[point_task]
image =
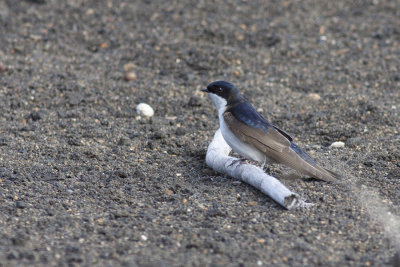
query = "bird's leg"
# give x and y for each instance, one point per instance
(241, 161)
(263, 165)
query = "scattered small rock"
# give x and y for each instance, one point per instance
(159, 135)
(13, 255)
(338, 144)
(313, 96)
(144, 109)
(369, 163)
(180, 131)
(130, 76)
(50, 212)
(194, 101)
(20, 239)
(129, 67)
(121, 174)
(168, 192)
(21, 204)
(121, 214)
(3, 141)
(124, 141)
(36, 115)
(74, 142)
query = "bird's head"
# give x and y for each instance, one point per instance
(223, 92)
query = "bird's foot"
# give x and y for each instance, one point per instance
(239, 161)
(267, 168)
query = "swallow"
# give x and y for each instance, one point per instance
(254, 138)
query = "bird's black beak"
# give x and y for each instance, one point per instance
(205, 90)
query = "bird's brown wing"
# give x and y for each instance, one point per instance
(262, 140)
(277, 147)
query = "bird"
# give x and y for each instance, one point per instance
(254, 138)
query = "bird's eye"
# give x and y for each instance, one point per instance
(219, 89)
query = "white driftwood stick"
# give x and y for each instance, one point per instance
(217, 158)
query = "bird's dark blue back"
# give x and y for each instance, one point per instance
(246, 113)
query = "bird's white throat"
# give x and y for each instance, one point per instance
(219, 102)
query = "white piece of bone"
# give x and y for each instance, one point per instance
(217, 158)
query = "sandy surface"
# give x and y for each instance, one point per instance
(84, 181)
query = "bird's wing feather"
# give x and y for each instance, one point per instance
(283, 133)
(278, 147)
(263, 139)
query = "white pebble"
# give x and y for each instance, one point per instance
(314, 96)
(145, 110)
(143, 237)
(338, 144)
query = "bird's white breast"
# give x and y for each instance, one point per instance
(240, 147)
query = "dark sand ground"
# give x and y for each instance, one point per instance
(84, 181)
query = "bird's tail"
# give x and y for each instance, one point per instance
(299, 160)
(321, 173)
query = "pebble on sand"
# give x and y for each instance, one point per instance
(144, 109)
(129, 67)
(338, 144)
(314, 96)
(130, 76)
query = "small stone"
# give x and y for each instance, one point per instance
(180, 131)
(314, 96)
(20, 239)
(124, 141)
(338, 144)
(50, 212)
(121, 174)
(159, 135)
(74, 142)
(194, 101)
(130, 76)
(143, 237)
(129, 67)
(168, 192)
(90, 11)
(13, 255)
(3, 142)
(144, 109)
(21, 204)
(36, 115)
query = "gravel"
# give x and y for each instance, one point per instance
(85, 181)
